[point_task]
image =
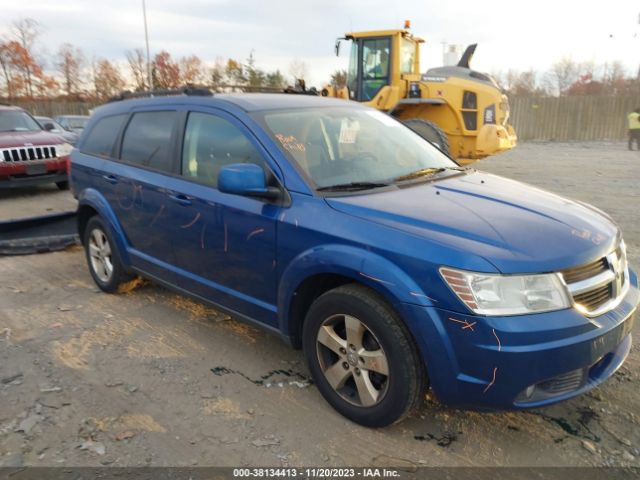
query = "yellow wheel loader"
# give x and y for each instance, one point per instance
(460, 110)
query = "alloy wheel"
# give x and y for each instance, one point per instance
(352, 360)
(100, 255)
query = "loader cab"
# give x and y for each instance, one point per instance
(378, 59)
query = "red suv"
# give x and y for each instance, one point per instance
(30, 155)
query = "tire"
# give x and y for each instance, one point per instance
(103, 257)
(352, 379)
(430, 132)
(63, 185)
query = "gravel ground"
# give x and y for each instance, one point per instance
(150, 378)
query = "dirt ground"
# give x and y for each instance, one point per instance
(150, 378)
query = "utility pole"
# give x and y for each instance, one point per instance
(146, 39)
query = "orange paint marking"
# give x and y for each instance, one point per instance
(192, 222)
(255, 232)
(375, 279)
(466, 323)
(499, 344)
(493, 380)
(157, 215)
(415, 294)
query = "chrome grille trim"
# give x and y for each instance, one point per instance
(603, 291)
(591, 283)
(27, 153)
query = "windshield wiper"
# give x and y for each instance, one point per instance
(424, 172)
(352, 186)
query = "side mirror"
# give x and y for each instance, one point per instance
(338, 48)
(49, 126)
(245, 179)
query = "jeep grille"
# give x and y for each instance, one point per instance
(23, 154)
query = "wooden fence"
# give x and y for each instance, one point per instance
(579, 118)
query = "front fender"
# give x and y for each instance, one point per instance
(93, 198)
(361, 265)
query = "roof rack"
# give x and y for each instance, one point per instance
(190, 91)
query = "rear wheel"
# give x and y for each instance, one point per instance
(103, 257)
(430, 132)
(362, 358)
(63, 185)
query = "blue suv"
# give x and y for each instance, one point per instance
(347, 234)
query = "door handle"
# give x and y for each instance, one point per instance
(180, 199)
(111, 179)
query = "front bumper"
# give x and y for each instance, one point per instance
(522, 361)
(33, 172)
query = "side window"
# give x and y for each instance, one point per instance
(147, 140)
(212, 142)
(102, 136)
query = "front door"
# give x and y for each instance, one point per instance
(369, 67)
(224, 245)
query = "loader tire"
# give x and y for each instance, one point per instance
(430, 132)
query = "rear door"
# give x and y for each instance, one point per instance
(225, 245)
(137, 192)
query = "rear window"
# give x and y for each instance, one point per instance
(102, 136)
(147, 140)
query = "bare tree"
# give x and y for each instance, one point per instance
(339, 78)
(138, 66)
(26, 31)
(69, 63)
(5, 63)
(298, 69)
(562, 75)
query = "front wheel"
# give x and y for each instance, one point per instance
(362, 358)
(103, 257)
(430, 132)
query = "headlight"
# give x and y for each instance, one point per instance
(491, 294)
(64, 149)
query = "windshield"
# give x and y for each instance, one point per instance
(17, 121)
(346, 145)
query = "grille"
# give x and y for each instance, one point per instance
(566, 382)
(599, 286)
(25, 154)
(595, 298)
(578, 274)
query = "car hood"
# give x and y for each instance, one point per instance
(22, 139)
(516, 227)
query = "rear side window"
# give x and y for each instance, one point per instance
(147, 140)
(212, 142)
(103, 135)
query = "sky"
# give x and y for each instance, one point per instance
(511, 35)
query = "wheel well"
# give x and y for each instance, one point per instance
(85, 212)
(306, 293)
